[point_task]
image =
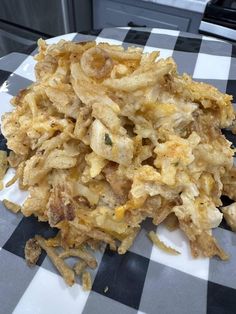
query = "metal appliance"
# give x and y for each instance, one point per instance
(23, 22)
(220, 19)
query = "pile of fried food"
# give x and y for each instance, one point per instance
(107, 137)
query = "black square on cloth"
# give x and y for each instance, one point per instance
(124, 275)
(231, 89)
(187, 44)
(229, 136)
(233, 53)
(4, 76)
(220, 299)
(3, 144)
(224, 225)
(93, 32)
(28, 228)
(225, 201)
(137, 37)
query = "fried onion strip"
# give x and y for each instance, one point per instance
(161, 245)
(66, 272)
(88, 258)
(15, 208)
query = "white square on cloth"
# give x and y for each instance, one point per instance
(210, 66)
(26, 68)
(37, 297)
(197, 267)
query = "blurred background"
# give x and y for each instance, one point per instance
(23, 22)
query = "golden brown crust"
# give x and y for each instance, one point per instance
(32, 252)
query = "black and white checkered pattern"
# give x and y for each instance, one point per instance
(145, 280)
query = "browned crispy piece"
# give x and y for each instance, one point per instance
(20, 176)
(14, 159)
(162, 212)
(66, 272)
(207, 245)
(71, 237)
(95, 234)
(79, 267)
(102, 236)
(45, 67)
(209, 97)
(229, 184)
(56, 241)
(3, 166)
(119, 184)
(93, 244)
(81, 253)
(171, 222)
(128, 241)
(32, 251)
(83, 122)
(229, 213)
(12, 181)
(161, 245)
(37, 202)
(15, 208)
(86, 281)
(188, 228)
(60, 206)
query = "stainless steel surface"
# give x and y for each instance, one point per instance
(12, 43)
(218, 30)
(32, 19)
(82, 10)
(48, 17)
(20, 32)
(65, 16)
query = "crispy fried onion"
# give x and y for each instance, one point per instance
(86, 281)
(66, 272)
(15, 208)
(33, 250)
(96, 62)
(85, 256)
(207, 245)
(161, 245)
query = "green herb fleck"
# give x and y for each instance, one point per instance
(108, 140)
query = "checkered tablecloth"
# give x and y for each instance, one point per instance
(145, 280)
